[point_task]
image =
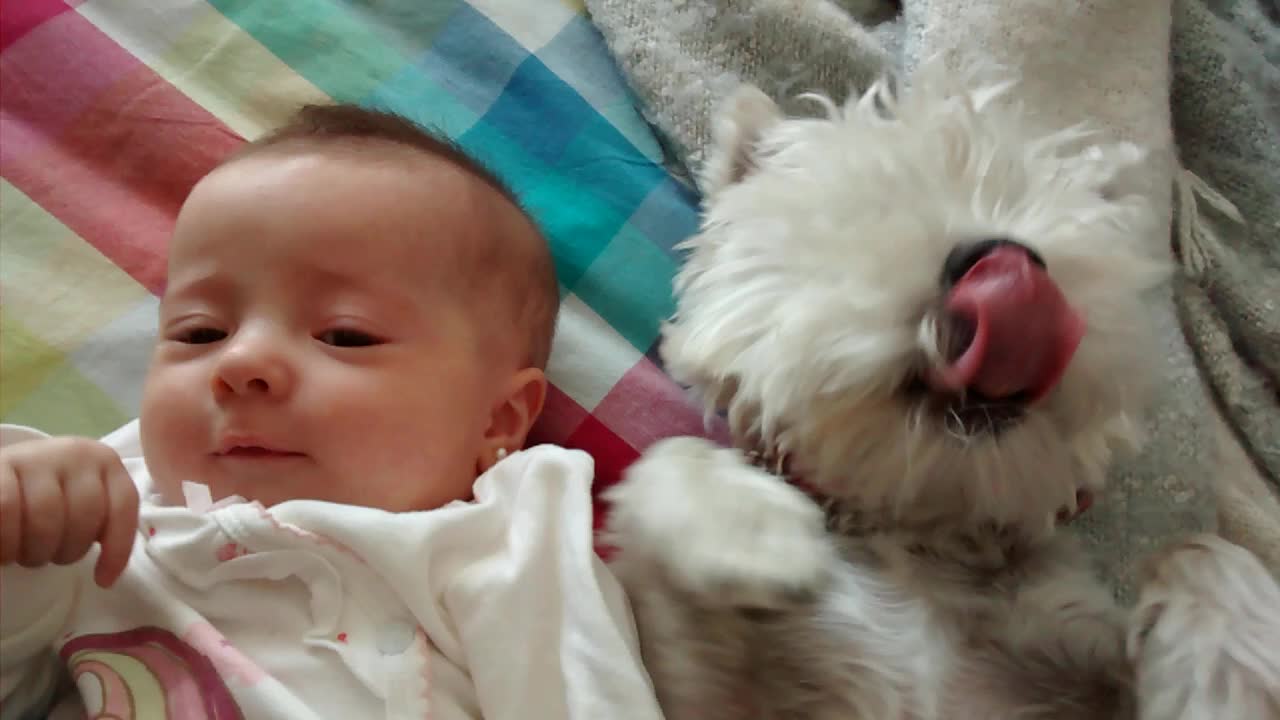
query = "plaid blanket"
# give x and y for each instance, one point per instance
(110, 110)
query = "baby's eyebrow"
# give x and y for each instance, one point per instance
(206, 284)
(384, 291)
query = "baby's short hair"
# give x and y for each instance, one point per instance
(524, 272)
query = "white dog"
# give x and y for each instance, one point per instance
(929, 314)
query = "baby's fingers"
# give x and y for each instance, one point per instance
(10, 514)
(43, 516)
(121, 526)
(86, 503)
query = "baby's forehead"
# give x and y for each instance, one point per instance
(358, 176)
(336, 194)
(353, 162)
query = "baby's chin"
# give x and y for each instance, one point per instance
(199, 493)
(202, 494)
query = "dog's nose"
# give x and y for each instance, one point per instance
(965, 255)
(1006, 329)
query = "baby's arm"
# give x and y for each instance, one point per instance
(545, 627)
(57, 497)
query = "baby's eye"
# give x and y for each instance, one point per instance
(341, 337)
(201, 336)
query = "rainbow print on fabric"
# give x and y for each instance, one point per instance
(147, 674)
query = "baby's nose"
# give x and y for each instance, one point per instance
(253, 365)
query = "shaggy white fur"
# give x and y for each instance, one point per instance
(813, 310)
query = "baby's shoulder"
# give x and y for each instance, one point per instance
(547, 460)
(541, 467)
(552, 451)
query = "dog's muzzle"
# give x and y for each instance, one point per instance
(1007, 333)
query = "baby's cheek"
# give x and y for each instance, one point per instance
(434, 470)
(355, 408)
(175, 435)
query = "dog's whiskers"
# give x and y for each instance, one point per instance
(958, 429)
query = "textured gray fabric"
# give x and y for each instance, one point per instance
(1101, 61)
(1226, 115)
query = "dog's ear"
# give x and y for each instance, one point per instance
(735, 133)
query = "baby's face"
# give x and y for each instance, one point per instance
(313, 340)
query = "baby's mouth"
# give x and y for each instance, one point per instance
(244, 446)
(257, 452)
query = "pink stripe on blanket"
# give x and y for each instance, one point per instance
(612, 455)
(646, 405)
(20, 17)
(561, 416)
(51, 76)
(117, 169)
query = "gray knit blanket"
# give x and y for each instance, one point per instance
(1210, 120)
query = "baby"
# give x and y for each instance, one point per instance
(324, 510)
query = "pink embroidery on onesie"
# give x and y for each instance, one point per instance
(230, 551)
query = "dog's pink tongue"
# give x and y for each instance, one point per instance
(1024, 332)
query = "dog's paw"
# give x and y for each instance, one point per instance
(1205, 634)
(722, 530)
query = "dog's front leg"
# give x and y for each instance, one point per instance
(725, 532)
(704, 539)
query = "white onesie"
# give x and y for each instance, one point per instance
(495, 608)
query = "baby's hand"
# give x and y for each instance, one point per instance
(60, 495)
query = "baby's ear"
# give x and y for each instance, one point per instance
(517, 408)
(736, 130)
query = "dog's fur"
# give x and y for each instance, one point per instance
(936, 584)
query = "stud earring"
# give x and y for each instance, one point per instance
(502, 452)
